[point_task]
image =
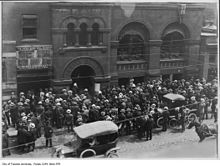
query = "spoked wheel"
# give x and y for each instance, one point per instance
(160, 122)
(112, 155)
(173, 123)
(192, 117)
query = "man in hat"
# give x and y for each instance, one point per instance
(59, 113)
(27, 107)
(69, 120)
(93, 114)
(75, 88)
(74, 107)
(5, 142)
(13, 97)
(48, 115)
(40, 108)
(128, 115)
(182, 117)
(14, 114)
(21, 97)
(121, 117)
(79, 120)
(32, 137)
(7, 112)
(165, 115)
(149, 126)
(48, 133)
(21, 107)
(213, 106)
(201, 109)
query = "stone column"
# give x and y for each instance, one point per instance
(193, 61)
(154, 58)
(113, 62)
(171, 77)
(77, 37)
(205, 65)
(100, 38)
(89, 36)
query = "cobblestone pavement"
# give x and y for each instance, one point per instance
(130, 146)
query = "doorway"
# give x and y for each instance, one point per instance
(84, 77)
(177, 76)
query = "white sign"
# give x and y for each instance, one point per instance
(97, 87)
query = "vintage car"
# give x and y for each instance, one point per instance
(91, 139)
(173, 101)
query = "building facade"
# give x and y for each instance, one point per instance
(99, 44)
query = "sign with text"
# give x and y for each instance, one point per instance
(34, 56)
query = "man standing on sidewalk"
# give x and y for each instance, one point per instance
(48, 133)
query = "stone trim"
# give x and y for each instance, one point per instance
(71, 66)
(156, 43)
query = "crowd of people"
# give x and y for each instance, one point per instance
(32, 114)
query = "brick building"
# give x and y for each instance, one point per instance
(98, 44)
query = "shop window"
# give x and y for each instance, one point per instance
(29, 26)
(70, 36)
(83, 35)
(95, 34)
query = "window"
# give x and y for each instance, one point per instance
(83, 35)
(173, 46)
(212, 58)
(95, 34)
(70, 36)
(131, 47)
(29, 26)
(4, 71)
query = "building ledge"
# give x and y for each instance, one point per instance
(208, 34)
(171, 60)
(130, 62)
(80, 48)
(30, 40)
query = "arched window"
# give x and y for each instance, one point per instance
(70, 36)
(131, 47)
(173, 46)
(133, 39)
(83, 35)
(95, 34)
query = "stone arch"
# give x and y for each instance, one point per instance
(67, 20)
(84, 20)
(118, 29)
(71, 66)
(135, 28)
(177, 33)
(175, 26)
(98, 21)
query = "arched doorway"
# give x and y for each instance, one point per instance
(84, 77)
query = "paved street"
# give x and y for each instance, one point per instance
(170, 144)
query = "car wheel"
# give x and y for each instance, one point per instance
(160, 122)
(88, 153)
(192, 117)
(112, 155)
(173, 123)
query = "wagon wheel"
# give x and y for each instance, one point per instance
(173, 123)
(160, 122)
(112, 155)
